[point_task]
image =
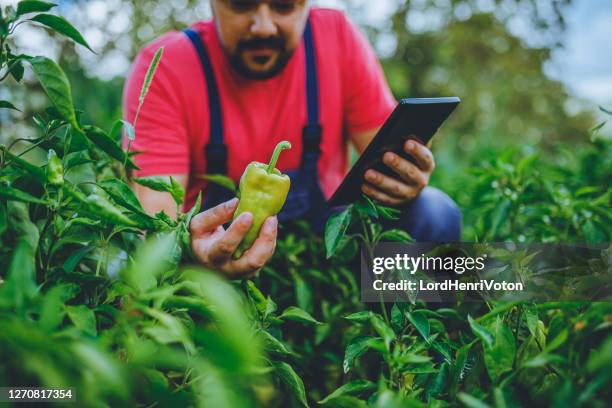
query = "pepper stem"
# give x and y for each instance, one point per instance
(277, 151)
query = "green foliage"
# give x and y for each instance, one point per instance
(87, 302)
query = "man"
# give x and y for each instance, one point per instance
(228, 90)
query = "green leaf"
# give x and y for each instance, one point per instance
(150, 73)
(122, 194)
(230, 318)
(604, 110)
(442, 348)
(382, 329)
(101, 366)
(32, 6)
(481, 332)
(440, 381)
(8, 105)
(19, 216)
(20, 281)
(273, 345)
(150, 261)
(500, 399)
(76, 159)
(346, 401)
(35, 171)
(83, 318)
(76, 257)
(10, 193)
(108, 145)
(420, 322)
(164, 184)
(178, 192)
(3, 217)
(194, 210)
(80, 221)
(53, 310)
(395, 235)
(335, 230)
(17, 70)
(595, 129)
(127, 127)
(471, 402)
(558, 341)
(542, 360)
(499, 358)
(500, 216)
(459, 367)
(98, 207)
(365, 207)
(259, 300)
(298, 315)
(60, 25)
(388, 213)
(531, 318)
(56, 85)
(303, 292)
(168, 329)
(362, 316)
(221, 180)
(355, 349)
(397, 318)
(355, 387)
(293, 381)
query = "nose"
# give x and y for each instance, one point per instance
(263, 23)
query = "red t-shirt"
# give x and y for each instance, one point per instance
(173, 125)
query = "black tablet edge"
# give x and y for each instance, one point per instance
(390, 122)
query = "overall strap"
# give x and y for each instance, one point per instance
(311, 134)
(216, 151)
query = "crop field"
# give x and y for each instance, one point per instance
(100, 297)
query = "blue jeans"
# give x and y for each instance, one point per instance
(431, 217)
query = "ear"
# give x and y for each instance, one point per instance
(213, 7)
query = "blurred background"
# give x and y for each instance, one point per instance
(532, 73)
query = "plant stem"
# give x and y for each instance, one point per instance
(44, 263)
(127, 155)
(277, 151)
(34, 146)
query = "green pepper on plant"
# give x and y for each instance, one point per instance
(55, 169)
(263, 190)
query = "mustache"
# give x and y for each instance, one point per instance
(261, 43)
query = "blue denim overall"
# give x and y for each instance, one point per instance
(305, 199)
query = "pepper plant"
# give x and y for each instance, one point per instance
(98, 295)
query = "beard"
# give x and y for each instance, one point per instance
(274, 43)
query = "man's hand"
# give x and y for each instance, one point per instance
(213, 246)
(412, 178)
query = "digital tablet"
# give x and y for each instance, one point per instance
(419, 117)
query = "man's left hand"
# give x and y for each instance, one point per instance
(411, 178)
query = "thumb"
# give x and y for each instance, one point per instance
(210, 219)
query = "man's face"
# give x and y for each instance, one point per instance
(260, 36)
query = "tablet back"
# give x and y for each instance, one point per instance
(420, 117)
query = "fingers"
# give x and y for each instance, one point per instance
(421, 154)
(210, 219)
(215, 252)
(388, 185)
(406, 170)
(380, 196)
(261, 250)
(222, 248)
